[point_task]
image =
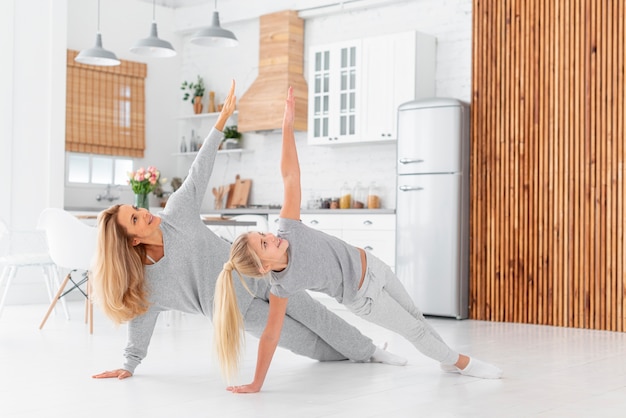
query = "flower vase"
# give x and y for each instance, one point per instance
(197, 105)
(141, 200)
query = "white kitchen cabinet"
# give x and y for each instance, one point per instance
(373, 232)
(355, 87)
(334, 93)
(397, 68)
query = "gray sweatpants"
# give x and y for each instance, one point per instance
(383, 300)
(311, 330)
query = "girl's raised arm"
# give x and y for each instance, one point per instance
(289, 164)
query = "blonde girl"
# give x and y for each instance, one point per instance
(300, 258)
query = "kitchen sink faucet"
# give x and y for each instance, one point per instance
(108, 196)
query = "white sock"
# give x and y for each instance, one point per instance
(481, 369)
(449, 368)
(385, 357)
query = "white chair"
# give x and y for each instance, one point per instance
(72, 246)
(20, 249)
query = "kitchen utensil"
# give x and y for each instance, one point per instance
(240, 192)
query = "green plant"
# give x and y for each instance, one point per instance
(232, 132)
(193, 89)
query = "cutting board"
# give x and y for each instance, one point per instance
(238, 193)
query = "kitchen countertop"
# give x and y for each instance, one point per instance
(263, 211)
(86, 211)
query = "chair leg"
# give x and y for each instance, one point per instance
(54, 301)
(8, 272)
(57, 282)
(90, 302)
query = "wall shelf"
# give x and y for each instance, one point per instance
(236, 152)
(204, 116)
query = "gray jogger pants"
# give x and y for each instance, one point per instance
(383, 300)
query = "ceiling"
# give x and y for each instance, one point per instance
(175, 4)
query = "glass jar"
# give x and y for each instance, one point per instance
(373, 196)
(359, 196)
(345, 197)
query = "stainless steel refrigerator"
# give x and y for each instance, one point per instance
(432, 211)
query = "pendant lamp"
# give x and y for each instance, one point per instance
(152, 46)
(97, 55)
(214, 35)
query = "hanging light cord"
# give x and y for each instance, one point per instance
(98, 16)
(153, 11)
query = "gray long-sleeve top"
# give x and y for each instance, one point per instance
(184, 279)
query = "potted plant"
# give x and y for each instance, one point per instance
(194, 92)
(232, 138)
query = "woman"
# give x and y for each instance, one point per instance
(355, 278)
(147, 264)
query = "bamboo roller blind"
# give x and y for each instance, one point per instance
(105, 108)
(547, 163)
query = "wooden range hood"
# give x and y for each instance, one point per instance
(281, 64)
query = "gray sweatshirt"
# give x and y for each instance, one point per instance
(184, 279)
(317, 261)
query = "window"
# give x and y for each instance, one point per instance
(97, 169)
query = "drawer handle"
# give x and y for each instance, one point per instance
(410, 189)
(368, 248)
(367, 222)
(314, 222)
(409, 161)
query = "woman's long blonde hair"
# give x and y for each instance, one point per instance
(228, 322)
(119, 283)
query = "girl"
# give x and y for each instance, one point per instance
(147, 264)
(300, 258)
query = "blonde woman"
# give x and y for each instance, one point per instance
(302, 258)
(147, 264)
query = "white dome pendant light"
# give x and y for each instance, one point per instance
(214, 35)
(97, 55)
(152, 46)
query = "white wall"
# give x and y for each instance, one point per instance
(448, 20)
(324, 169)
(36, 33)
(33, 41)
(122, 23)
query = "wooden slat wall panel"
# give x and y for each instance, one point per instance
(547, 163)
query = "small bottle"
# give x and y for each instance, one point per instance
(193, 145)
(359, 196)
(183, 144)
(345, 197)
(373, 196)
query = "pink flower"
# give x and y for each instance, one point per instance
(144, 180)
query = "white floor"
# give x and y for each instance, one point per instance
(549, 372)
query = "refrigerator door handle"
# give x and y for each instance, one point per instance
(410, 189)
(409, 161)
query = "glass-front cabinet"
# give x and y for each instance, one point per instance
(334, 93)
(356, 87)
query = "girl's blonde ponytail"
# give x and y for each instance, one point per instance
(228, 324)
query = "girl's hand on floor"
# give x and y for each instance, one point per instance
(119, 373)
(244, 389)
